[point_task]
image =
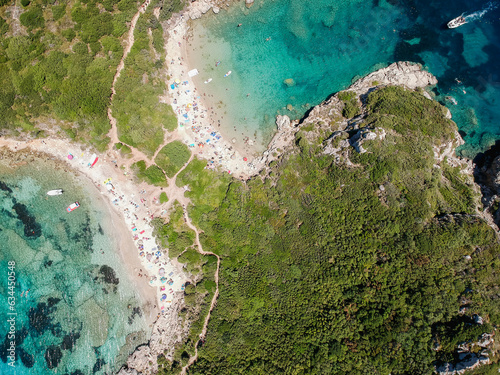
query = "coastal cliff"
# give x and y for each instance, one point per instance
(358, 210)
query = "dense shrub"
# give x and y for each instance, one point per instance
(172, 157)
(329, 268)
(32, 18)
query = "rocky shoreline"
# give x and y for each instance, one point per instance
(406, 74)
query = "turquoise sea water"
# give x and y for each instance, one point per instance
(324, 45)
(82, 314)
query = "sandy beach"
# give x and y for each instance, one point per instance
(155, 276)
(196, 127)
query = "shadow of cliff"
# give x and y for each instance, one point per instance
(485, 174)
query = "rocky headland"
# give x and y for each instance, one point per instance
(345, 135)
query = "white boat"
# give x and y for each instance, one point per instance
(459, 21)
(208, 80)
(73, 206)
(55, 192)
(228, 73)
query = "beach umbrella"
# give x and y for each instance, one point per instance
(141, 253)
(140, 242)
(177, 81)
(158, 253)
(245, 159)
(70, 157)
(149, 256)
(162, 272)
(163, 280)
(163, 297)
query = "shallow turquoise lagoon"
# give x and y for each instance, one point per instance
(289, 55)
(76, 310)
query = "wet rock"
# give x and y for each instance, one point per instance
(109, 275)
(289, 82)
(53, 356)
(98, 365)
(283, 122)
(27, 359)
(31, 227)
(69, 341)
(39, 317)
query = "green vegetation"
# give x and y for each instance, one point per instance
(331, 269)
(179, 239)
(172, 157)
(351, 106)
(163, 198)
(141, 117)
(41, 74)
(169, 7)
(152, 175)
(125, 151)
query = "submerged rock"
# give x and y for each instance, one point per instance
(53, 356)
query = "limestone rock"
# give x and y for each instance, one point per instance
(366, 135)
(403, 73)
(467, 362)
(215, 9)
(198, 9)
(195, 13)
(289, 107)
(289, 82)
(283, 122)
(249, 3)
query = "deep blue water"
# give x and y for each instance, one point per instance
(82, 314)
(324, 45)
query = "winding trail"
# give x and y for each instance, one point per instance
(113, 133)
(214, 299)
(173, 192)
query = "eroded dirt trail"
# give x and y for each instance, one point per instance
(113, 133)
(174, 193)
(214, 299)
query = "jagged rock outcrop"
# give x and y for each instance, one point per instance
(364, 135)
(487, 176)
(329, 113)
(198, 8)
(404, 73)
(466, 362)
(249, 3)
(167, 330)
(470, 354)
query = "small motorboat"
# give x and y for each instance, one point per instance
(217, 63)
(73, 206)
(451, 99)
(227, 74)
(455, 22)
(208, 80)
(55, 192)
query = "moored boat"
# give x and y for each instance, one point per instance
(55, 192)
(459, 21)
(228, 73)
(73, 206)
